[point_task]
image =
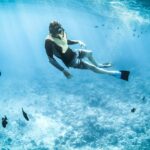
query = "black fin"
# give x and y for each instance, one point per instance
(25, 115)
(125, 75)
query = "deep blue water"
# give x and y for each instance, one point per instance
(89, 111)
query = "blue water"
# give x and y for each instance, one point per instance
(89, 111)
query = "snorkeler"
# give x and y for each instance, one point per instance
(57, 44)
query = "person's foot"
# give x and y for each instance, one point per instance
(105, 65)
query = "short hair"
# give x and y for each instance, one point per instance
(54, 24)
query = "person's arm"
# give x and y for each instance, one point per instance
(49, 51)
(55, 63)
(71, 42)
(52, 60)
(59, 67)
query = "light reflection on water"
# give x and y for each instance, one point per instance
(88, 112)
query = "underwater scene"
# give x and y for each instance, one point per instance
(40, 109)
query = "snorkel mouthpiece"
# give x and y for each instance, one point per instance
(60, 30)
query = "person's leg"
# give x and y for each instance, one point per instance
(88, 54)
(80, 64)
(121, 74)
(105, 65)
(89, 66)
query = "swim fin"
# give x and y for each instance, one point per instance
(124, 75)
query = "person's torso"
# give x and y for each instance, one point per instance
(61, 42)
(61, 49)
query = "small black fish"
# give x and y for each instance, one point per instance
(143, 98)
(133, 110)
(134, 30)
(4, 122)
(0, 73)
(25, 115)
(96, 26)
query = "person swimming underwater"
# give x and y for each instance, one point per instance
(57, 44)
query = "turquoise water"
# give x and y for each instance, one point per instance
(89, 111)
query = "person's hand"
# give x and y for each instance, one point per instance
(67, 74)
(82, 45)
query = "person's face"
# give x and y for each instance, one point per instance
(58, 30)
